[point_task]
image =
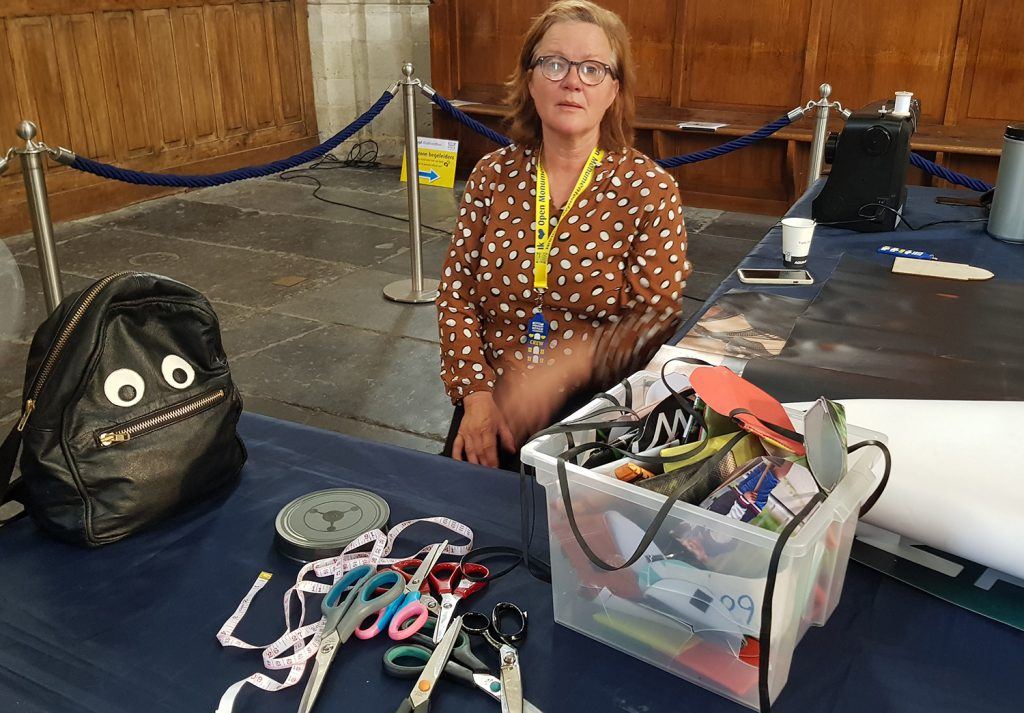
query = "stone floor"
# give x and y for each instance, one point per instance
(297, 284)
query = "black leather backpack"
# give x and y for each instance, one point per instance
(129, 411)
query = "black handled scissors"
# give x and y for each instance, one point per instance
(505, 637)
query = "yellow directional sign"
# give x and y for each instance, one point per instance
(437, 161)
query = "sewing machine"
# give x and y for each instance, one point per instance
(867, 186)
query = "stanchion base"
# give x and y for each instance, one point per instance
(402, 291)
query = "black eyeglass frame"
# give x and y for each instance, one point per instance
(608, 69)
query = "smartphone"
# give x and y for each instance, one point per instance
(772, 276)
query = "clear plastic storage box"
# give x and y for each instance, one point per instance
(699, 619)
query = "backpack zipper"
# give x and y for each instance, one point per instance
(62, 339)
(160, 419)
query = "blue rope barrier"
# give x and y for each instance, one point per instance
(934, 169)
(673, 162)
(105, 170)
(765, 131)
(728, 147)
(468, 121)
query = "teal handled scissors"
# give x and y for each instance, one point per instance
(346, 605)
(406, 616)
(408, 661)
(418, 701)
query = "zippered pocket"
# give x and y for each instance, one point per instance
(173, 414)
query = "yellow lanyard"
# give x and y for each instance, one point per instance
(544, 238)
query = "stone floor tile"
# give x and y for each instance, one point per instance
(350, 372)
(697, 219)
(245, 331)
(266, 232)
(747, 226)
(701, 284)
(357, 300)
(340, 424)
(716, 254)
(433, 251)
(62, 232)
(33, 304)
(226, 274)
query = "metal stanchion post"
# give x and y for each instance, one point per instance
(415, 290)
(39, 211)
(820, 132)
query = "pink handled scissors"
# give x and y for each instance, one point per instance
(397, 617)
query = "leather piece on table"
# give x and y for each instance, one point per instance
(768, 319)
(873, 334)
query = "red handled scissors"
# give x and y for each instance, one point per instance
(408, 568)
(451, 582)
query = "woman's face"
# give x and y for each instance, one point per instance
(569, 107)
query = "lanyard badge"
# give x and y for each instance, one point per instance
(537, 332)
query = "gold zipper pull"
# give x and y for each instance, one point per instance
(109, 439)
(30, 406)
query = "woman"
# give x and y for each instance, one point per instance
(533, 321)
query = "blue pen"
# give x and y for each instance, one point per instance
(903, 252)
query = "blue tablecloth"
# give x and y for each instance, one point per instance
(952, 242)
(130, 626)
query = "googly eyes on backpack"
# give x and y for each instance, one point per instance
(177, 372)
(124, 387)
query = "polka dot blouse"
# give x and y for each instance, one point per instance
(620, 251)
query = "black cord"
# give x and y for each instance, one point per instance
(362, 155)
(873, 498)
(875, 217)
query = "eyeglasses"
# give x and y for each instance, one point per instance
(591, 72)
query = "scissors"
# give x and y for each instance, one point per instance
(396, 617)
(346, 605)
(506, 643)
(418, 701)
(453, 590)
(408, 660)
(408, 569)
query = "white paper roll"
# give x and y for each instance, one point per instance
(957, 480)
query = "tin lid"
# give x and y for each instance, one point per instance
(321, 524)
(1015, 131)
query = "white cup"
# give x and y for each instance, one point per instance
(796, 241)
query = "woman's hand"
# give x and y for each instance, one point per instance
(530, 399)
(482, 431)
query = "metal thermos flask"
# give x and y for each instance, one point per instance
(1006, 219)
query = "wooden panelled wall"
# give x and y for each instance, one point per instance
(186, 86)
(747, 63)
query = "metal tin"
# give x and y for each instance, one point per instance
(321, 524)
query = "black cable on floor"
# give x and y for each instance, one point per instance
(361, 155)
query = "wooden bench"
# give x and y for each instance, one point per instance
(764, 178)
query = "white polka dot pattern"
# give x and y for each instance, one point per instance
(621, 252)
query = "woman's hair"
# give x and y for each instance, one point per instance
(617, 124)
